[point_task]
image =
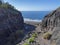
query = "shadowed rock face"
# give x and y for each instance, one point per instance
(10, 21)
(51, 23)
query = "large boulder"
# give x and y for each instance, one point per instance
(11, 21)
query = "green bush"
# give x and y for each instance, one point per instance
(6, 5)
(47, 36)
(25, 44)
(34, 35)
(31, 39)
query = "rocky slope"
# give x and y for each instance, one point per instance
(48, 31)
(51, 23)
(11, 25)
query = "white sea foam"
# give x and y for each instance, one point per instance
(35, 20)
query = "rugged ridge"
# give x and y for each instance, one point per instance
(51, 23)
(11, 21)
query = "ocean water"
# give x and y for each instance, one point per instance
(34, 15)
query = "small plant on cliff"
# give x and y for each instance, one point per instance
(25, 44)
(7, 5)
(34, 35)
(31, 39)
(47, 36)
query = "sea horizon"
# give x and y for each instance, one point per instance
(34, 16)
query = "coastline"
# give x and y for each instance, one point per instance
(32, 21)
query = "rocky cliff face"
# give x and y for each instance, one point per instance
(11, 22)
(51, 23)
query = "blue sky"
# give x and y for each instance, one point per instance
(35, 5)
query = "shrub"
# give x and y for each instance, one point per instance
(25, 44)
(17, 44)
(31, 39)
(9, 6)
(47, 36)
(6, 5)
(34, 35)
